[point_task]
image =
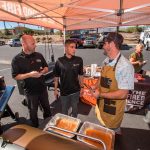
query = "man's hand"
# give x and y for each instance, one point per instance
(95, 93)
(144, 62)
(56, 93)
(81, 92)
(43, 70)
(140, 63)
(35, 74)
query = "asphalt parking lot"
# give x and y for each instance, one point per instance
(136, 133)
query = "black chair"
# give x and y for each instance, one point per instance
(5, 110)
(49, 77)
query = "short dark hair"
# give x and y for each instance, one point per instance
(115, 37)
(70, 41)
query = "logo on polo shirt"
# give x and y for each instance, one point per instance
(75, 65)
(38, 60)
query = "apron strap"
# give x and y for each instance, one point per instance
(116, 62)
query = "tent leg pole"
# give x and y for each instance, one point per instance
(64, 30)
(117, 29)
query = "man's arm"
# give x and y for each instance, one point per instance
(119, 94)
(133, 62)
(44, 70)
(32, 74)
(22, 76)
(80, 74)
(56, 82)
(81, 81)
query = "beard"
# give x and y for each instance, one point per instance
(105, 53)
(72, 54)
(31, 51)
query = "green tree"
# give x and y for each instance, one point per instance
(132, 29)
(28, 31)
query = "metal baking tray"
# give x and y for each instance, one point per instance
(52, 125)
(89, 125)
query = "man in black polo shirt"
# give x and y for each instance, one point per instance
(29, 66)
(69, 70)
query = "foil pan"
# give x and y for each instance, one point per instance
(89, 125)
(50, 126)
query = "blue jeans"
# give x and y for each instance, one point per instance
(70, 101)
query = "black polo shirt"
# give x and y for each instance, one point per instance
(68, 71)
(23, 63)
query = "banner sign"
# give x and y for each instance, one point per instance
(139, 97)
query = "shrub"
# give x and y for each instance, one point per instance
(37, 39)
(132, 29)
(43, 39)
(49, 39)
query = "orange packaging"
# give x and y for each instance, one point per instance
(87, 96)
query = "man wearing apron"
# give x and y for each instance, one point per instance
(117, 78)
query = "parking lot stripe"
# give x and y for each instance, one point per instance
(5, 69)
(6, 62)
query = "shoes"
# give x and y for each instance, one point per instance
(146, 120)
(1, 131)
(24, 102)
(118, 131)
(147, 117)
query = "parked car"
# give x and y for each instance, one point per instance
(89, 42)
(100, 40)
(2, 42)
(78, 39)
(143, 35)
(147, 41)
(14, 42)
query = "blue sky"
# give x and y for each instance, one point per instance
(13, 24)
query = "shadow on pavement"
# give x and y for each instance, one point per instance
(21, 120)
(55, 107)
(138, 112)
(83, 108)
(133, 139)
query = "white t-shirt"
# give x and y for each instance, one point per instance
(124, 72)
